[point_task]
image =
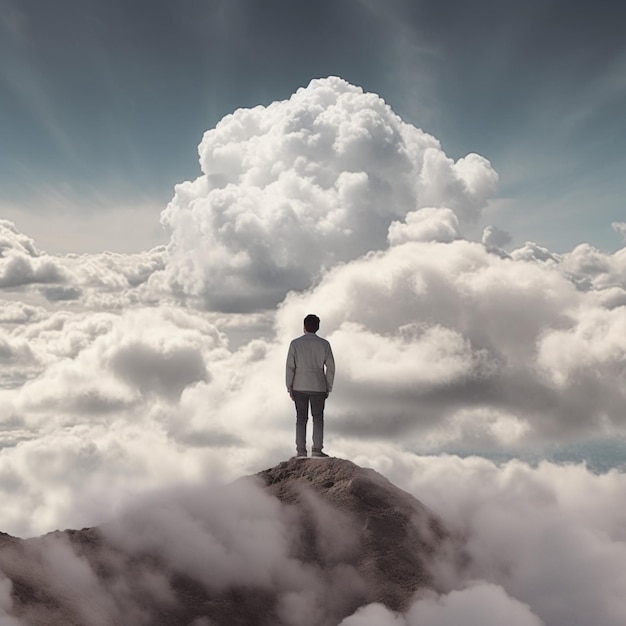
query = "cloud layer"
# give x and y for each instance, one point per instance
(545, 544)
(124, 374)
(542, 545)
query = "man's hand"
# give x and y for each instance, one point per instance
(290, 392)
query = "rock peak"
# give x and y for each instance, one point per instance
(397, 535)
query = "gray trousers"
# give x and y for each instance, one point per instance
(302, 400)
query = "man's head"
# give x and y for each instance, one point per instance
(311, 323)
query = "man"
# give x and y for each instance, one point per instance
(310, 374)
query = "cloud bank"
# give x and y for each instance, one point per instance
(543, 545)
(125, 374)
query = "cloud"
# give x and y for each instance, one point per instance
(620, 227)
(425, 225)
(11, 240)
(439, 345)
(71, 576)
(452, 340)
(291, 189)
(108, 363)
(6, 603)
(490, 347)
(17, 359)
(592, 269)
(19, 313)
(542, 544)
(17, 270)
(456, 334)
(166, 372)
(326, 202)
(531, 251)
(237, 535)
(546, 539)
(20, 261)
(62, 583)
(98, 281)
(55, 294)
(495, 238)
(374, 615)
(232, 535)
(480, 604)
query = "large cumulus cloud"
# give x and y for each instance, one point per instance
(291, 189)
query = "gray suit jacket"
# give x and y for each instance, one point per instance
(310, 364)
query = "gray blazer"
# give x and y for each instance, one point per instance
(310, 364)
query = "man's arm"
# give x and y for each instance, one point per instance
(330, 370)
(290, 368)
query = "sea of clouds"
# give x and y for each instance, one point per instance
(125, 374)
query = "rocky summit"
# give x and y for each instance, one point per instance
(393, 537)
(304, 543)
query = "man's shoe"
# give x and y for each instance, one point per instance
(301, 454)
(319, 454)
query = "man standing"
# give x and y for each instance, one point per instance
(310, 374)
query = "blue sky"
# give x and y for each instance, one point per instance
(104, 103)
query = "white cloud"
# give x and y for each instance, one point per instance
(481, 604)
(113, 387)
(549, 537)
(450, 342)
(6, 603)
(17, 360)
(478, 605)
(531, 251)
(72, 577)
(374, 615)
(541, 545)
(237, 534)
(424, 330)
(19, 313)
(425, 225)
(19, 269)
(437, 344)
(620, 227)
(296, 187)
(109, 363)
(11, 240)
(20, 261)
(98, 281)
(596, 270)
(234, 534)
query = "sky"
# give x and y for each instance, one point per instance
(440, 183)
(103, 104)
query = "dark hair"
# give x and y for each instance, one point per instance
(311, 323)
